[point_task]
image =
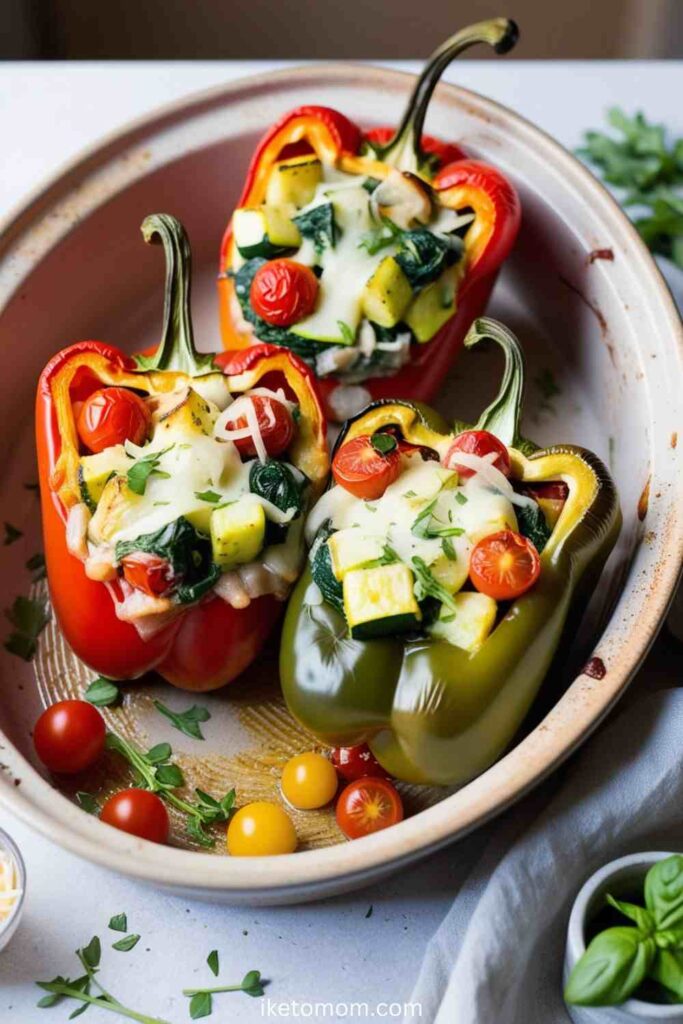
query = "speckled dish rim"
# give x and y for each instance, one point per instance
(577, 713)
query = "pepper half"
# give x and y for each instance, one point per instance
(431, 712)
(210, 642)
(457, 183)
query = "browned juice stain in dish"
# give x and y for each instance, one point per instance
(644, 500)
(601, 254)
(254, 700)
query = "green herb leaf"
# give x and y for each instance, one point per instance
(667, 969)
(87, 802)
(642, 917)
(424, 526)
(140, 472)
(159, 754)
(92, 953)
(448, 549)
(348, 336)
(664, 892)
(533, 525)
(210, 496)
(212, 961)
(320, 226)
(251, 984)
(102, 692)
(186, 721)
(460, 498)
(427, 586)
(29, 617)
(200, 1005)
(36, 565)
(12, 533)
(383, 443)
(614, 965)
(170, 775)
(49, 1000)
(119, 923)
(124, 945)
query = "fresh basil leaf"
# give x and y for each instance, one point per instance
(186, 721)
(664, 892)
(87, 802)
(200, 1005)
(119, 923)
(614, 965)
(102, 692)
(169, 775)
(667, 969)
(159, 754)
(92, 953)
(125, 945)
(212, 961)
(643, 918)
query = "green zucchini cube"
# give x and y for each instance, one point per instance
(237, 532)
(265, 231)
(380, 601)
(470, 624)
(387, 294)
(352, 549)
(294, 181)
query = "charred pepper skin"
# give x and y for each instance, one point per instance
(458, 181)
(433, 713)
(207, 644)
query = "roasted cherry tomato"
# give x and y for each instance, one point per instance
(138, 812)
(111, 416)
(504, 565)
(367, 465)
(356, 762)
(283, 292)
(477, 442)
(308, 781)
(261, 829)
(275, 423)
(149, 573)
(69, 736)
(368, 805)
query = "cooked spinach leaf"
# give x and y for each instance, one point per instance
(319, 225)
(321, 569)
(186, 550)
(276, 482)
(532, 525)
(423, 255)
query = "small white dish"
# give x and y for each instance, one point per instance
(11, 923)
(619, 877)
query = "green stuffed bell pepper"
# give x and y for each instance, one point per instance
(443, 566)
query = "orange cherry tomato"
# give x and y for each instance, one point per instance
(367, 465)
(111, 416)
(504, 565)
(283, 292)
(356, 762)
(368, 805)
(69, 736)
(477, 442)
(149, 573)
(275, 423)
(138, 812)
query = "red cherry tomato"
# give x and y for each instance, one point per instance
(149, 573)
(69, 736)
(283, 292)
(356, 763)
(275, 423)
(504, 565)
(367, 465)
(368, 805)
(111, 416)
(138, 812)
(477, 442)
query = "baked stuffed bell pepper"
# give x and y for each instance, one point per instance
(174, 488)
(442, 569)
(367, 254)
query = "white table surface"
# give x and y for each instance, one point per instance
(327, 951)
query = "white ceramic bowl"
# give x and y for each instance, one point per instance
(72, 265)
(617, 878)
(10, 925)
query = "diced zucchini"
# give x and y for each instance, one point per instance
(352, 549)
(451, 573)
(434, 305)
(237, 532)
(294, 181)
(117, 503)
(336, 317)
(380, 601)
(265, 231)
(500, 516)
(184, 412)
(201, 518)
(387, 294)
(95, 470)
(471, 622)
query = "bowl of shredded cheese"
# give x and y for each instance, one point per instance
(12, 887)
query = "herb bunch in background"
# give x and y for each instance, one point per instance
(650, 173)
(618, 961)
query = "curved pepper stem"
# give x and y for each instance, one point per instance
(176, 350)
(502, 416)
(404, 150)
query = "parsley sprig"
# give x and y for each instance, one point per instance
(156, 772)
(650, 172)
(426, 585)
(140, 472)
(186, 721)
(201, 999)
(426, 524)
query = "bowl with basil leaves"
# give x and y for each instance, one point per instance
(624, 954)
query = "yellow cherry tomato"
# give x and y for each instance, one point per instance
(309, 781)
(261, 829)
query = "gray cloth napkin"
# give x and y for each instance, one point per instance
(497, 957)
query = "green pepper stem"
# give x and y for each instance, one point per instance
(502, 416)
(404, 151)
(176, 350)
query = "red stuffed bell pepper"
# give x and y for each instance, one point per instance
(369, 255)
(174, 488)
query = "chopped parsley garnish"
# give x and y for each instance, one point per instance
(426, 585)
(140, 472)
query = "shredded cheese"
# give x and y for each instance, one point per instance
(10, 889)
